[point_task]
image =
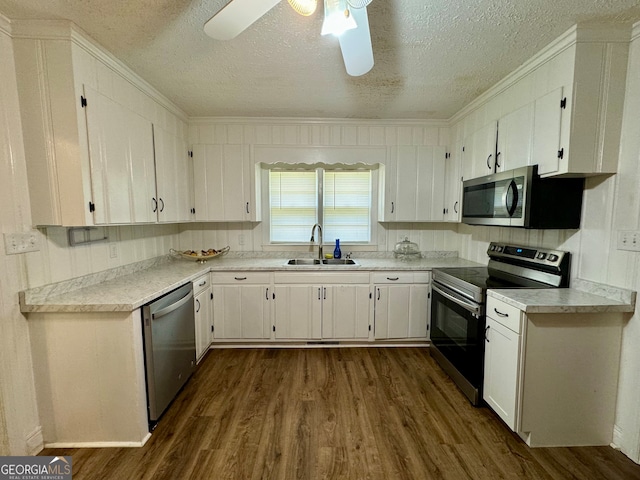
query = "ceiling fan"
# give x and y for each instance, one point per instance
(347, 19)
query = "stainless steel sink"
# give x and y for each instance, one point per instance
(316, 261)
(339, 261)
(304, 261)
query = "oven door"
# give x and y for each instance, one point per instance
(457, 332)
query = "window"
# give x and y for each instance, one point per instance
(340, 200)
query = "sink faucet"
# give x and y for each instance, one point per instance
(313, 230)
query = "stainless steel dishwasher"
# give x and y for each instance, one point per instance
(169, 347)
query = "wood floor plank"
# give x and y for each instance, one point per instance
(340, 413)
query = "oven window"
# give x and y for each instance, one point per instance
(459, 336)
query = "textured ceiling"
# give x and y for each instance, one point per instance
(431, 56)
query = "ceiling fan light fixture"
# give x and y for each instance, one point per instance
(337, 18)
(304, 7)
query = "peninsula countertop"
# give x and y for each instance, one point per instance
(121, 290)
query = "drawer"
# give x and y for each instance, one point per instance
(245, 278)
(505, 314)
(201, 283)
(400, 277)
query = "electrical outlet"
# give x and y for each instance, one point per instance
(241, 239)
(15, 243)
(629, 240)
(113, 250)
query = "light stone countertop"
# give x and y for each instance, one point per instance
(569, 300)
(127, 288)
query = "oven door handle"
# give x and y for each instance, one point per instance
(467, 306)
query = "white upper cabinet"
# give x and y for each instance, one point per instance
(479, 152)
(515, 139)
(122, 164)
(173, 177)
(89, 124)
(414, 185)
(224, 184)
(561, 111)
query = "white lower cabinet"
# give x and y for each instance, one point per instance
(401, 308)
(501, 370)
(552, 377)
(241, 305)
(334, 307)
(202, 295)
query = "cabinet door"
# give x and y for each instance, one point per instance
(515, 139)
(501, 371)
(298, 312)
(223, 183)
(345, 312)
(391, 317)
(122, 162)
(172, 176)
(204, 322)
(418, 311)
(480, 152)
(241, 312)
(452, 186)
(406, 184)
(546, 133)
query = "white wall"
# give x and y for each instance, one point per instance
(18, 409)
(317, 132)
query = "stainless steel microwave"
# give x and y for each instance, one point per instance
(520, 198)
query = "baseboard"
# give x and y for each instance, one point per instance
(34, 441)
(618, 438)
(305, 344)
(98, 444)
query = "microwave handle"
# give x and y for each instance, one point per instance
(511, 208)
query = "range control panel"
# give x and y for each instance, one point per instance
(530, 254)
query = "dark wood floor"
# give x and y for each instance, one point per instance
(374, 413)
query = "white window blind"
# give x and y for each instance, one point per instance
(345, 205)
(293, 199)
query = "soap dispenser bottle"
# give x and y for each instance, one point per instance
(336, 251)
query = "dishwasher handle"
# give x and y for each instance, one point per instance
(174, 306)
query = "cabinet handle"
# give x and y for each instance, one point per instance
(500, 313)
(497, 161)
(455, 207)
(489, 158)
(240, 278)
(155, 205)
(393, 207)
(319, 294)
(378, 294)
(162, 203)
(198, 305)
(203, 283)
(325, 293)
(247, 207)
(393, 279)
(266, 295)
(485, 333)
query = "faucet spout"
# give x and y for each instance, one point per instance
(313, 231)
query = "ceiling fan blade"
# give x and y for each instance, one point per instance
(235, 17)
(355, 44)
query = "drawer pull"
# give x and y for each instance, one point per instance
(500, 313)
(393, 279)
(197, 305)
(203, 283)
(240, 278)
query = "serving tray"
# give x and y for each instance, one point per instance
(199, 256)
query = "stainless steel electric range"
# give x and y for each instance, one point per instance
(459, 298)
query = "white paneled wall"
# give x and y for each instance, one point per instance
(316, 132)
(19, 423)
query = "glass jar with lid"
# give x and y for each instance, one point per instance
(407, 250)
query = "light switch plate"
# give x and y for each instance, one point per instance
(629, 240)
(15, 243)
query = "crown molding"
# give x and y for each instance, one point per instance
(319, 121)
(66, 30)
